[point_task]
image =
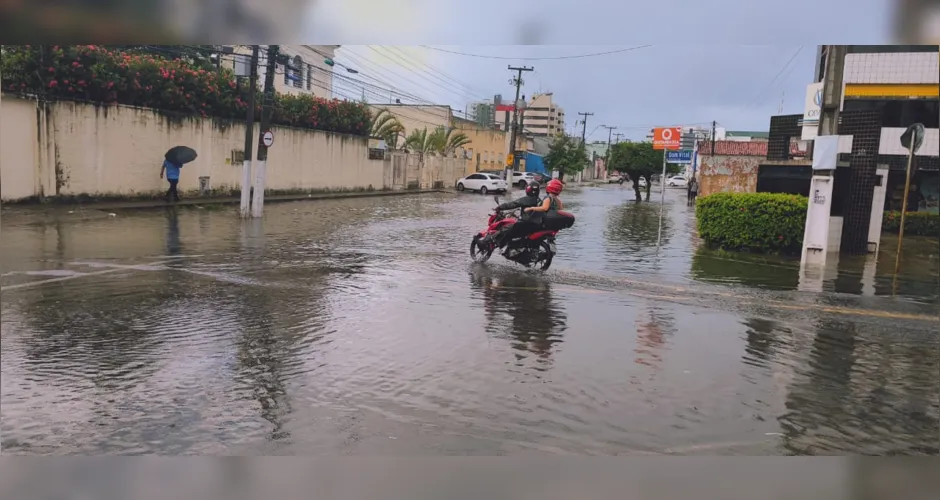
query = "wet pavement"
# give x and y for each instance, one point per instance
(361, 327)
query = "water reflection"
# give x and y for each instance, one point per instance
(653, 330)
(174, 246)
(853, 395)
(727, 268)
(521, 307)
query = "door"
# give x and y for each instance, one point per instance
(474, 182)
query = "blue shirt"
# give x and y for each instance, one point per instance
(172, 170)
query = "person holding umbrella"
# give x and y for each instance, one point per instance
(173, 161)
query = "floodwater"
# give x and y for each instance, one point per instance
(361, 327)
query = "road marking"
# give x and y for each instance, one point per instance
(114, 268)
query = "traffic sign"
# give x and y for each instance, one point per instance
(267, 139)
(667, 137)
(679, 157)
(510, 159)
(687, 141)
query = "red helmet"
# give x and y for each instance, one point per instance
(554, 187)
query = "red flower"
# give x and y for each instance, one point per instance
(110, 84)
(81, 83)
(53, 83)
(51, 69)
(65, 82)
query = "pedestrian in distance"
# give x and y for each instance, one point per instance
(172, 171)
(693, 191)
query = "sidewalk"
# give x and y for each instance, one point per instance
(206, 200)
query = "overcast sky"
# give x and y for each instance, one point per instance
(723, 60)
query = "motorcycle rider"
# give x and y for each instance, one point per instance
(552, 201)
(531, 199)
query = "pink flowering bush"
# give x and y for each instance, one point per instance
(98, 74)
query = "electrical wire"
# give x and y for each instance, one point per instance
(595, 54)
(759, 97)
(464, 92)
(471, 88)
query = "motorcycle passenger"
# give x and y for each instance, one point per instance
(552, 201)
(525, 224)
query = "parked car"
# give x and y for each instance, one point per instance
(520, 179)
(541, 178)
(677, 181)
(612, 178)
(482, 183)
(641, 182)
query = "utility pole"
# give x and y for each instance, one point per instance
(618, 135)
(245, 207)
(517, 81)
(257, 206)
(714, 126)
(610, 131)
(584, 126)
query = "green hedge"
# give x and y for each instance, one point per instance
(915, 223)
(756, 222)
(100, 74)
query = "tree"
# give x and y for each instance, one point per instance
(447, 140)
(387, 127)
(199, 56)
(421, 141)
(567, 156)
(637, 160)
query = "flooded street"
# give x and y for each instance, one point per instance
(361, 327)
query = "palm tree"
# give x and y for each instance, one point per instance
(447, 140)
(421, 141)
(387, 127)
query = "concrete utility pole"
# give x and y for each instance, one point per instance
(618, 135)
(245, 207)
(517, 81)
(610, 131)
(832, 90)
(714, 127)
(267, 106)
(584, 126)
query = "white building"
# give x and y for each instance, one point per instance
(308, 72)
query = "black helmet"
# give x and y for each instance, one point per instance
(532, 188)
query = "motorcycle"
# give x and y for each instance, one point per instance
(536, 249)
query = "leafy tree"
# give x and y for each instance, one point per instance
(637, 160)
(567, 156)
(198, 56)
(386, 126)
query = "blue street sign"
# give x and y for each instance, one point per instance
(678, 157)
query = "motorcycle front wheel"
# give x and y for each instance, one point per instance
(480, 252)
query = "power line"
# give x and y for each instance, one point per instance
(777, 76)
(455, 89)
(444, 74)
(595, 54)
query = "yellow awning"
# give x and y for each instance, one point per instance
(927, 90)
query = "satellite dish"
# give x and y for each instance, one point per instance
(913, 138)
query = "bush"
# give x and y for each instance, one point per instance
(915, 223)
(757, 222)
(99, 74)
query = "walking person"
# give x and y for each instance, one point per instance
(172, 171)
(693, 191)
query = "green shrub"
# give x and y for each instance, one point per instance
(756, 222)
(915, 223)
(100, 74)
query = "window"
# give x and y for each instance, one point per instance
(900, 112)
(297, 72)
(476, 177)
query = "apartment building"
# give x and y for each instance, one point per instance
(541, 117)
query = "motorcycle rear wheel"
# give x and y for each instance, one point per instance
(543, 259)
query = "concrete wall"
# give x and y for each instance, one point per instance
(733, 174)
(71, 149)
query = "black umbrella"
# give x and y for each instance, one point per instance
(180, 155)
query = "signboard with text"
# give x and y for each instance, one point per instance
(667, 138)
(679, 157)
(811, 110)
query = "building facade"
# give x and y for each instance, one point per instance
(900, 84)
(541, 117)
(307, 73)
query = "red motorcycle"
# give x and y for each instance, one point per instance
(536, 249)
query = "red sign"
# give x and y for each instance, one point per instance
(667, 137)
(505, 107)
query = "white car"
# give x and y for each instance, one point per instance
(483, 183)
(612, 178)
(677, 181)
(521, 179)
(641, 182)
